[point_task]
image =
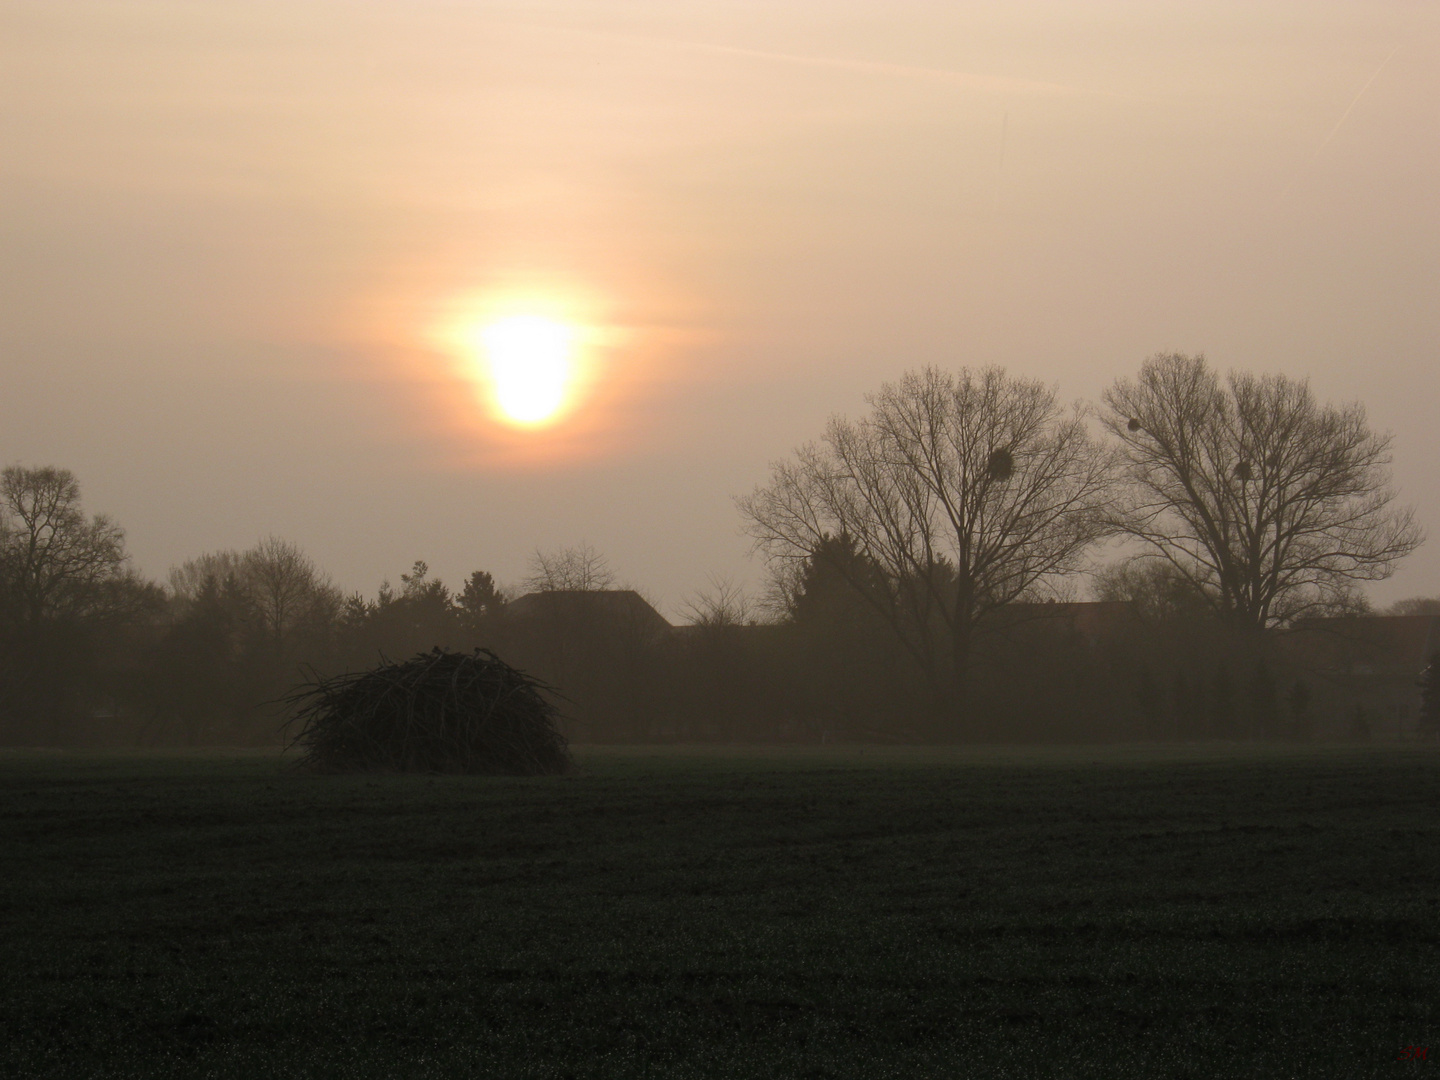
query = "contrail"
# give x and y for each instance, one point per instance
(910, 71)
(993, 83)
(1356, 100)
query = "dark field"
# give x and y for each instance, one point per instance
(893, 913)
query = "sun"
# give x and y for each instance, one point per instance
(530, 365)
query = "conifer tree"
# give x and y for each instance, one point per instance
(1430, 698)
(1262, 701)
(1299, 702)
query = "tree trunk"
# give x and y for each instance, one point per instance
(962, 714)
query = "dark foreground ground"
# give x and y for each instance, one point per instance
(1101, 914)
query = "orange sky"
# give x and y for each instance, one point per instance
(235, 236)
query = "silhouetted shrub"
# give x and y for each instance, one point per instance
(438, 712)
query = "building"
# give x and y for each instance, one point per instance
(1366, 670)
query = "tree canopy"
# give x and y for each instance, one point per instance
(966, 490)
(1271, 504)
(56, 563)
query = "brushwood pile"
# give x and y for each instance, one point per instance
(438, 712)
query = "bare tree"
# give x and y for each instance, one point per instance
(1159, 592)
(286, 589)
(572, 569)
(1415, 605)
(1267, 502)
(722, 604)
(965, 491)
(67, 598)
(190, 578)
(54, 561)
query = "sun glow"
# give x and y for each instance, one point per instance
(530, 365)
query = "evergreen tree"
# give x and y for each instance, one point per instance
(1151, 702)
(1187, 704)
(479, 600)
(1301, 722)
(838, 582)
(1263, 701)
(1222, 704)
(1430, 698)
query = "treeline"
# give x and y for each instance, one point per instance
(99, 656)
(91, 653)
(923, 562)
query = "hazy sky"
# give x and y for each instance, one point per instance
(239, 243)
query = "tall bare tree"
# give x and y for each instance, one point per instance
(287, 590)
(68, 600)
(1268, 502)
(54, 561)
(966, 491)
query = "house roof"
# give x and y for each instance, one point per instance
(612, 606)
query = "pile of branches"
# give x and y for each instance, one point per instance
(438, 712)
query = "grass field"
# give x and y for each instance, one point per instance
(887, 913)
